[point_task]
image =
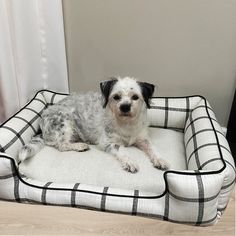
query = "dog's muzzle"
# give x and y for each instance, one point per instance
(125, 108)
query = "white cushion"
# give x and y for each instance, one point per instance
(98, 168)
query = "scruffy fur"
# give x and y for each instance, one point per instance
(112, 120)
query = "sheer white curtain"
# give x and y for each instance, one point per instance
(32, 51)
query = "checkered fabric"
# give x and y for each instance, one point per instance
(194, 196)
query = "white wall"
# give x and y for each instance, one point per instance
(185, 47)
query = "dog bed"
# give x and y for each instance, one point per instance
(185, 132)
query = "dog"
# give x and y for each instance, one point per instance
(113, 120)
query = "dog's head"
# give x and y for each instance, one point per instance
(126, 97)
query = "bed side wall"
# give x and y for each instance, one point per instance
(194, 195)
(171, 113)
(19, 129)
(207, 149)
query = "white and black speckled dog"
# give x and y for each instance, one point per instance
(114, 120)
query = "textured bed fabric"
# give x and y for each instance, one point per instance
(101, 169)
(193, 196)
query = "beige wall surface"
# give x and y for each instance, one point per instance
(186, 47)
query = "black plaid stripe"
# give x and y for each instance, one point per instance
(1, 148)
(201, 199)
(167, 206)
(103, 200)
(16, 182)
(44, 193)
(73, 194)
(222, 209)
(135, 202)
(187, 108)
(195, 153)
(185, 199)
(174, 109)
(203, 106)
(226, 149)
(169, 127)
(53, 98)
(217, 159)
(232, 166)
(27, 122)
(7, 176)
(208, 162)
(229, 185)
(166, 114)
(16, 188)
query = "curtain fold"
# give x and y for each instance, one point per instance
(32, 51)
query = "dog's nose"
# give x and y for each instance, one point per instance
(125, 107)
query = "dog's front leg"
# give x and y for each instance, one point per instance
(146, 146)
(121, 155)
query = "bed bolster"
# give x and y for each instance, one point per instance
(171, 113)
(207, 149)
(21, 127)
(194, 195)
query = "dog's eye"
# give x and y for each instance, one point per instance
(135, 97)
(117, 97)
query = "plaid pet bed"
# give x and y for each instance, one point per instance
(195, 196)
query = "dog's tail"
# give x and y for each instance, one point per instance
(32, 148)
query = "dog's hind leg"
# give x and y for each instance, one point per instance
(31, 148)
(79, 147)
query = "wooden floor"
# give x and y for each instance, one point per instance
(25, 219)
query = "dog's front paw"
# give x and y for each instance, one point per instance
(160, 164)
(130, 167)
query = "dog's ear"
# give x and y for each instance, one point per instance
(106, 88)
(147, 92)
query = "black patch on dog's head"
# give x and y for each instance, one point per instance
(106, 88)
(147, 92)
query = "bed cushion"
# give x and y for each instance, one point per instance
(196, 193)
(101, 169)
